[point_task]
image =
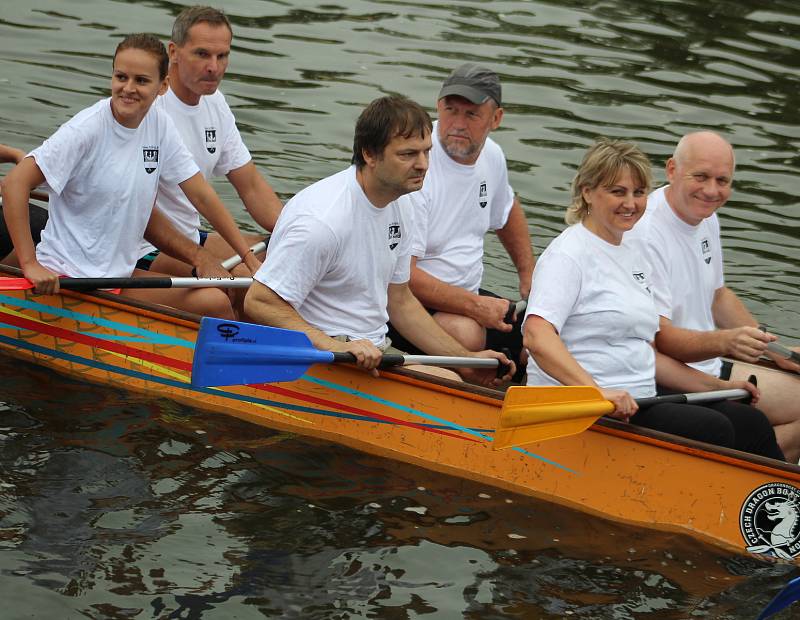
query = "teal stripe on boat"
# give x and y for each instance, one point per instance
(426, 416)
(152, 337)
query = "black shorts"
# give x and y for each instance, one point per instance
(146, 261)
(38, 220)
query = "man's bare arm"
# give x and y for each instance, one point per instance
(162, 234)
(739, 336)
(516, 239)
(265, 306)
(256, 194)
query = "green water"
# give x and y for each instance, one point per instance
(112, 506)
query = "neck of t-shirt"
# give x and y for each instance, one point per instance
(360, 183)
(680, 223)
(120, 129)
(186, 108)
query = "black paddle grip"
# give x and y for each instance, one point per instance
(754, 380)
(91, 284)
(388, 359)
(509, 318)
(504, 369)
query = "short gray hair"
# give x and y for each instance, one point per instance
(192, 15)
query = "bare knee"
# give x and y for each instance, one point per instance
(468, 332)
(213, 302)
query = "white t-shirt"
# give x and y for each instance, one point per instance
(686, 265)
(333, 255)
(209, 131)
(598, 298)
(103, 179)
(455, 208)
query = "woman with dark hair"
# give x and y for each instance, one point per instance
(591, 319)
(103, 168)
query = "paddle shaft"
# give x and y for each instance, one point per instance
(230, 263)
(784, 352)
(395, 359)
(91, 284)
(698, 397)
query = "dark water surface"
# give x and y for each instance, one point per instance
(115, 506)
(118, 506)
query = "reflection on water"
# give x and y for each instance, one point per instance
(114, 505)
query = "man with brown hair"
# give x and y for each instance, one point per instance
(339, 258)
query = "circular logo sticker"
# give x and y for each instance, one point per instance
(770, 520)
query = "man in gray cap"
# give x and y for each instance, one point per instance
(466, 193)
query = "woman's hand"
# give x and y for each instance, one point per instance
(624, 404)
(45, 282)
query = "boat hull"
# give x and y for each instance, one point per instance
(612, 470)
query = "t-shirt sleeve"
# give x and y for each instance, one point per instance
(420, 203)
(234, 153)
(60, 154)
(298, 261)
(556, 288)
(503, 199)
(654, 251)
(178, 164)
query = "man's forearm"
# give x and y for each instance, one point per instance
(263, 305)
(162, 234)
(675, 375)
(260, 200)
(437, 295)
(206, 201)
(688, 345)
(516, 240)
(729, 311)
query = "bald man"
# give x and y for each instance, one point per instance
(701, 318)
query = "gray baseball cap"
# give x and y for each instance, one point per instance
(473, 82)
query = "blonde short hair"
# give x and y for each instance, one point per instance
(603, 164)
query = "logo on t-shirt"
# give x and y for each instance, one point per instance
(394, 235)
(211, 139)
(150, 158)
(640, 278)
(705, 246)
(482, 195)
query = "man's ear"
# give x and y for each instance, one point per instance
(369, 157)
(172, 51)
(670, 169)
(497, 118)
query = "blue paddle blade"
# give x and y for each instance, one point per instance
(784, 598)
(236, 353)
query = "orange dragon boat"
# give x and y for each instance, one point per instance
(613, 470)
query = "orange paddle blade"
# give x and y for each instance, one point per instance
(14, 284)
(535, 413)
